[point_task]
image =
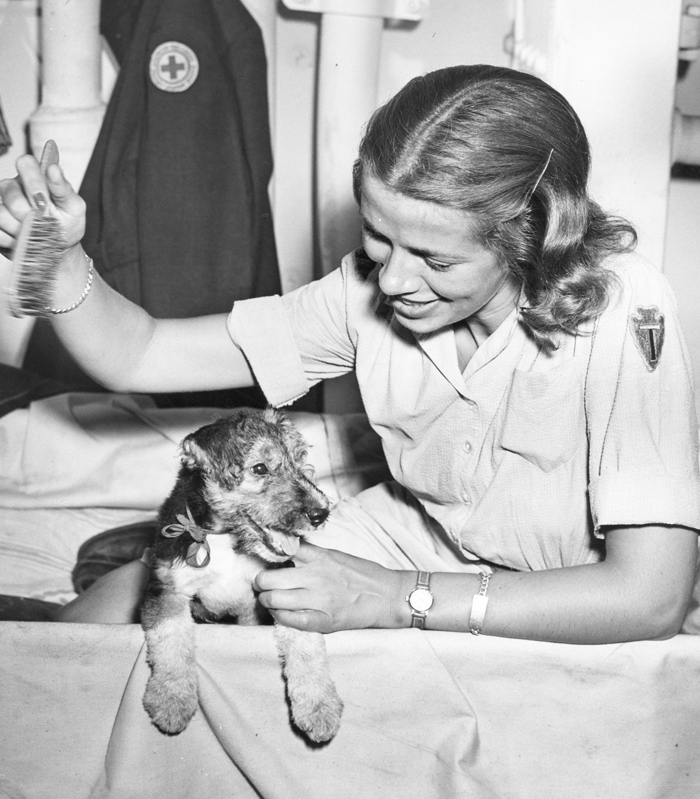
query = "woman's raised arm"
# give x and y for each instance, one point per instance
(115, 341)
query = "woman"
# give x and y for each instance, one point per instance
(524, 369)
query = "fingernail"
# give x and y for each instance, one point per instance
(40, 201)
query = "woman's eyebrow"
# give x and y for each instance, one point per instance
(421, 253)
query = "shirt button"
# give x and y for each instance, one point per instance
(467, 500)
(467, 447)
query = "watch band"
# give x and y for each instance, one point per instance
(420, 600)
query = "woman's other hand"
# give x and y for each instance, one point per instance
(329, 591)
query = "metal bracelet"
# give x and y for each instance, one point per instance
(479, 603)
(82, 297)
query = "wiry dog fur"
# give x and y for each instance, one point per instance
(245, 482)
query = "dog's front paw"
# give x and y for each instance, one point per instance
(315, 705)
(316, 710)
(170, 704)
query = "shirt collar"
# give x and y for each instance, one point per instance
(441, 348)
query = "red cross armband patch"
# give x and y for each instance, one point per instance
(173, 67)
(647, 328)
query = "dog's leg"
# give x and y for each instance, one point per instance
(315, 704)
(171, 697)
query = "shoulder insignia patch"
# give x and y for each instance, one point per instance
(647, 328)
(173, 67)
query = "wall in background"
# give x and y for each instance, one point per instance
(682, 253)
(19, 73)
(682, 264)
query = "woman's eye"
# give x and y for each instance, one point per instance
(260, 468)
(376, 248)
(368, 231)
(438, 265)
(373, 235)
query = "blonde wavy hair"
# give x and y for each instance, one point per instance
(506, 147)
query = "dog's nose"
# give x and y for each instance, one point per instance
(317, 516)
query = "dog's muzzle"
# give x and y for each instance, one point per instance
(317, 516)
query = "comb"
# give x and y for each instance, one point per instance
(37, 255)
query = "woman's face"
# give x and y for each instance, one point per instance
(433, 271)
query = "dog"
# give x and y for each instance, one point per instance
(242, 501)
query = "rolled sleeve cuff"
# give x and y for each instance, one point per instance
(622, 501)
(261, 328)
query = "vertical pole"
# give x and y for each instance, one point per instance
(71, 107)
(347, 95)
(348, 76)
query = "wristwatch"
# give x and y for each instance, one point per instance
(420, 600)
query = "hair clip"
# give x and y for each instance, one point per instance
(541, 175)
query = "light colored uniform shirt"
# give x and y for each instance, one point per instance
(525, 456)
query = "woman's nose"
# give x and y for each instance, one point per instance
(397, 275)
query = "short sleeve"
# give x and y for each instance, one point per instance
(295, 341)
(640, 409)
(262, 330)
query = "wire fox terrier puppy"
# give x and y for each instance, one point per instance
(242, 502)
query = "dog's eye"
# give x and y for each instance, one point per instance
(260, 468)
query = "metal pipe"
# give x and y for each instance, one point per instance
(348, 76)
(347, 95)
(71, 108)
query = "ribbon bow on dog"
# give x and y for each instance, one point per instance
(198, 553)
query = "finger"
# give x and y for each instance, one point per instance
(271, 579)
(9, 227)
(308, 553)
(9, 223)
(307, 620)
(4, 185)
(285, 599)
(32, 180)
(49, 155)
(62, 193)
(13, 199)
(7, 244)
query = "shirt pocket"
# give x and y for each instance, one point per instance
(544, 420)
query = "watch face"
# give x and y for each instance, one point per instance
(420, 599)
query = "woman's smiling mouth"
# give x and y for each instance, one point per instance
(410, 308)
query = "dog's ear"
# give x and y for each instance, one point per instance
(214, 452)
(293, 439)
(295, 442)
(193, 456)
